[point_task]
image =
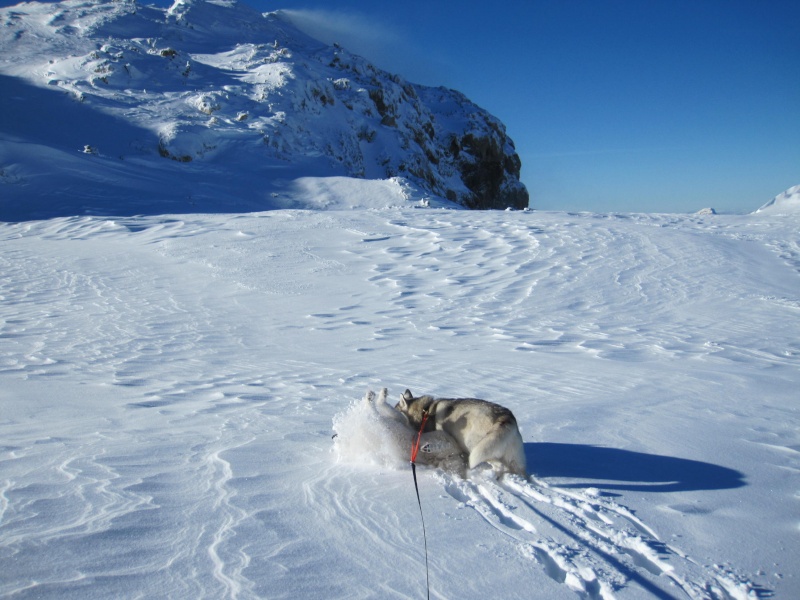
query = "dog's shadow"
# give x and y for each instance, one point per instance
(623, 470)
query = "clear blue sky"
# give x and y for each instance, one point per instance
(634, 105)
(614, 105)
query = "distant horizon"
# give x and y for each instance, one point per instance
(617, 106)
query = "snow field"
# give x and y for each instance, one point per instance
(170, 387)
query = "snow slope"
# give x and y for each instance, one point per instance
(786, 202)
(169, 387)
(211, 105)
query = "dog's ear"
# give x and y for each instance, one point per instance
(405, 401)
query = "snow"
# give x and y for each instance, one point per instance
(181, 341)
(786, 202)
(170, 386)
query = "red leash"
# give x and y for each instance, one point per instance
(414, 451)
(415, 447)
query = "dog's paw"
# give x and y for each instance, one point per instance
(487, 470)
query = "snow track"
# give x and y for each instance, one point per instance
(591, 544)
(167, 388)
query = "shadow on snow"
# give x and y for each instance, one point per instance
(60, 156)
(623, 470)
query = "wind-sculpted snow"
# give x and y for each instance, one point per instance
(215, 101)
(169, 388)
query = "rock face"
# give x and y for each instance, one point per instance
(212, 78)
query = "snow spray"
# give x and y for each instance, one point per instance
(364, 437)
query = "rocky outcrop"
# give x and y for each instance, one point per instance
(489, 172)
(436, 137)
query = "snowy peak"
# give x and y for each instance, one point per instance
(218, 84)
(786, 202)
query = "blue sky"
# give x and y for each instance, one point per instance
(614, 105)
(648, 105)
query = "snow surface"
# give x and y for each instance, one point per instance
(170, 385)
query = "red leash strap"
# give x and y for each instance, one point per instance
(415, 446)
(414, 450)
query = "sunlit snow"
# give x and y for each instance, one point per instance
(170, 385)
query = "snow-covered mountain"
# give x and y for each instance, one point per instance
(212, 99)
(788, 201)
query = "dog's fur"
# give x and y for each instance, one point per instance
(485, 431)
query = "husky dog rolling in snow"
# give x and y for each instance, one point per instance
(436, 448)
(485, 431)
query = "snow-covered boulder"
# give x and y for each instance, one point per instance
(703, 212)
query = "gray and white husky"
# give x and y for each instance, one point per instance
(485, 431)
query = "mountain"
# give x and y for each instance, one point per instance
(211, 104)
(788, 201)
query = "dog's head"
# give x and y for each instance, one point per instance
(415, 408)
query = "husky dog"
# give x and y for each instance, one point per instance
(436, 448)
(485, 431)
